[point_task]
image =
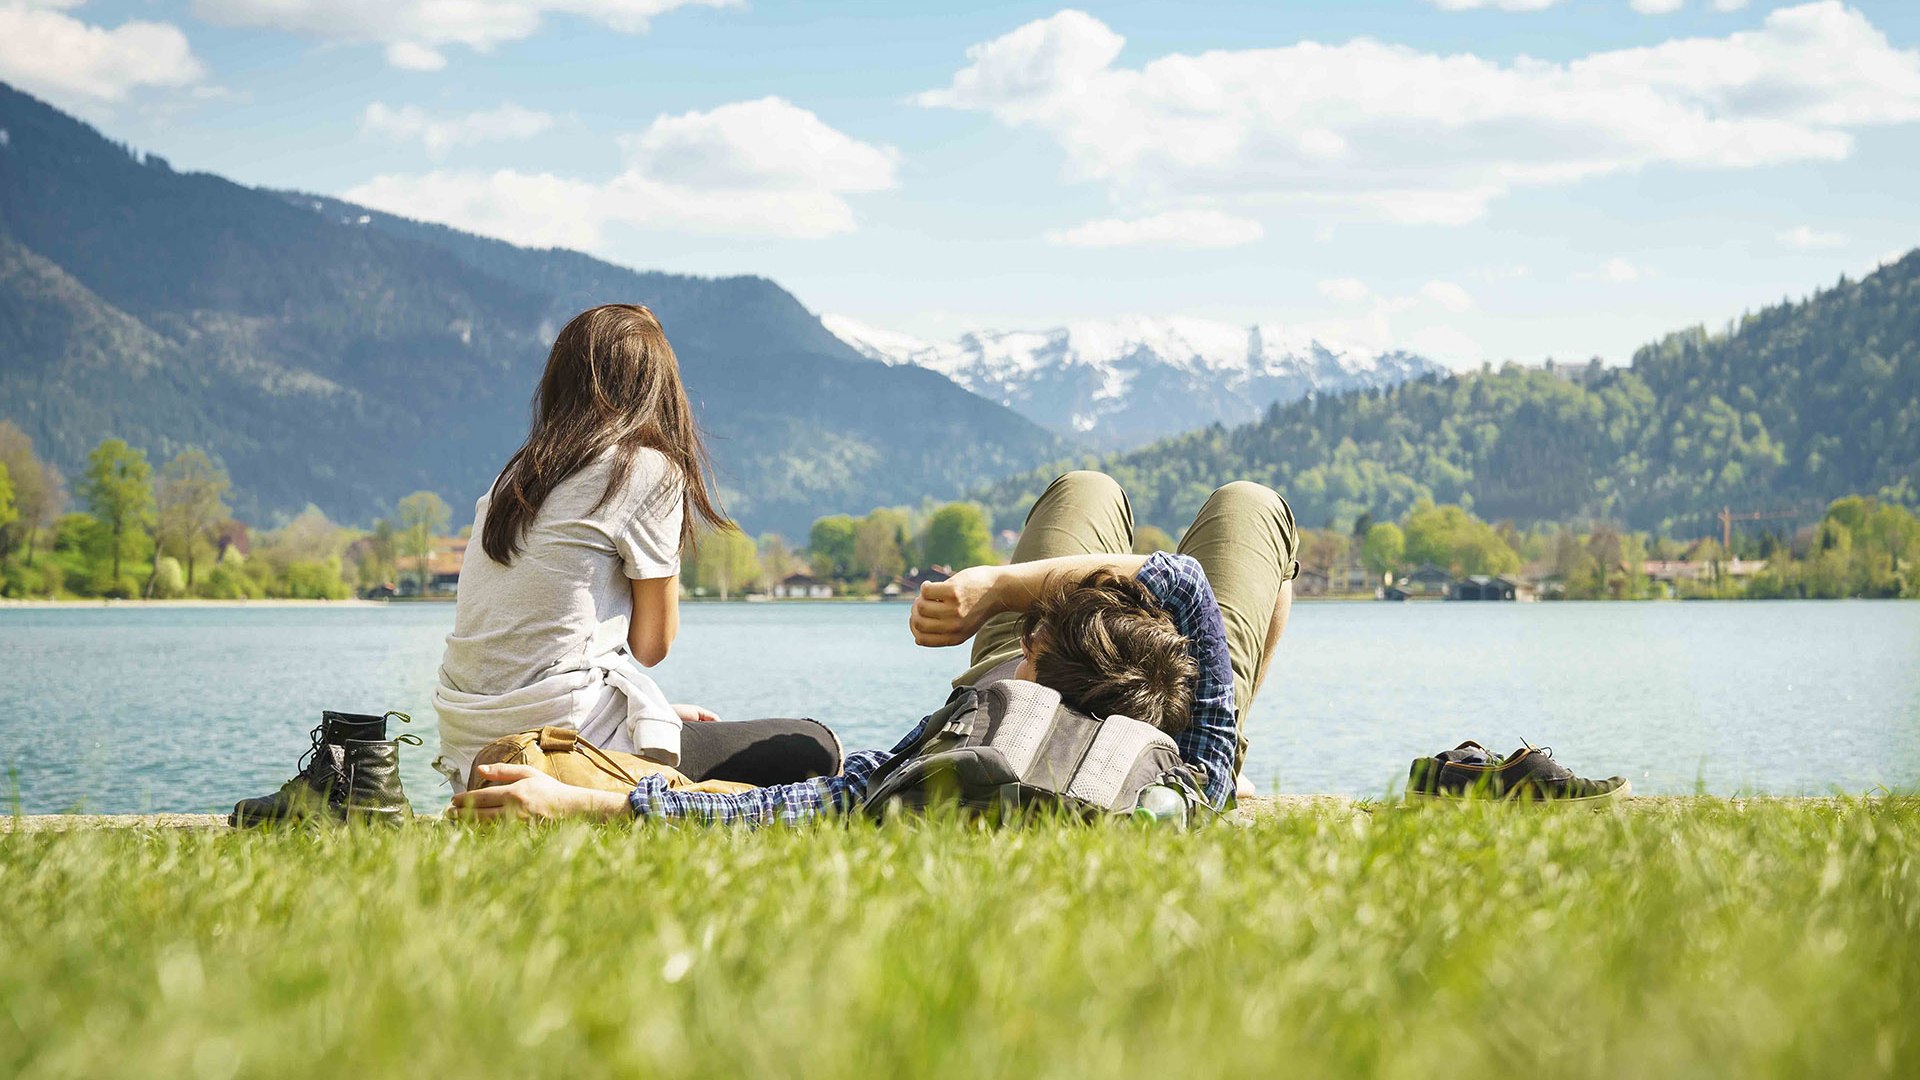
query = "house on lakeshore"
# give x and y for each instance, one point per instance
(907, 585)
(1490, 587)
(1425, 582)
(1345, 579)
(802, 587)
(443, 568)
(1675, 571)
(1351, 577)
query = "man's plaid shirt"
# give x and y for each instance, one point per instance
(1180, 586)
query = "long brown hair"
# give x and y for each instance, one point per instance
(611, 382)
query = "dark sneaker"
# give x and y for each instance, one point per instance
(1529, 774)
(351, 773)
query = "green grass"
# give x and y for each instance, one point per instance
(1704, 937)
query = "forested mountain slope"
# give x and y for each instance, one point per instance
(326, 354)
(1790, 407)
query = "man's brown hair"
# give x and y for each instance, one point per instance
(1108, 648)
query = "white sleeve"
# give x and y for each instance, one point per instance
(649, 540)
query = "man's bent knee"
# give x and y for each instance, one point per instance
(1087, 483)
(1247, 500)
(1084, 487)
(1245, 496)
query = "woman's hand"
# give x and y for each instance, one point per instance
(951, 611)
(695, 714)
(531, 795)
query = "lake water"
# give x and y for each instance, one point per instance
(125, 709)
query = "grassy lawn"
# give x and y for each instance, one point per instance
(1703, 938)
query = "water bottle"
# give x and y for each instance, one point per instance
(1161, 804)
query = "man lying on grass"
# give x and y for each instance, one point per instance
(1174, 640)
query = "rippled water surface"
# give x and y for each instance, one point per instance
(126, 709)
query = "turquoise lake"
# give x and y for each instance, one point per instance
(126, 709)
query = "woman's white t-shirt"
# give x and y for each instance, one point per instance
(565, 599)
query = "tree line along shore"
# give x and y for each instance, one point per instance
(124, 530)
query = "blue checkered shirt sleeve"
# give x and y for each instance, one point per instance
(1212, 736)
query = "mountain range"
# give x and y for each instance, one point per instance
(1786, 409)
(326, 353)
(1126, 382)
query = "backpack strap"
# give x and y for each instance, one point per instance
(953, 718)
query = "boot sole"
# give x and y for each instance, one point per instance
(354, 816)
(1623, 791)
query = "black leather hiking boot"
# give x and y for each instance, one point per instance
(351, 773)
(1529, 774)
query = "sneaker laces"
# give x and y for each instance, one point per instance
(1554, 770)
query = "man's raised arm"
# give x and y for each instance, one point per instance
(950, 612)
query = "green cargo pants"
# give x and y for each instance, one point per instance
(1244, 538)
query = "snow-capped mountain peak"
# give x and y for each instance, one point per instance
(1130, 380)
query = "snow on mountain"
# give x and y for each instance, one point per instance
(1129, 381)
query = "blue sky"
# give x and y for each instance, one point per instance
(1476, 179)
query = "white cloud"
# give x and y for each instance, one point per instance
(761, 168)
(415, 31)
(1346, 290)
(1503, 5)
(1175, 228)
(1450, 346)
(768, 144)
(47, 52)
(1806, 237)
(1729, 5)
(1420, 137)
(1402, 321)
(412, 56)
(1619, 270)
(1447, 295)
(1657, 7)
(410, 123)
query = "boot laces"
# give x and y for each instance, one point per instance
(319, 738)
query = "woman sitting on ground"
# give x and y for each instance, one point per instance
(574, 592)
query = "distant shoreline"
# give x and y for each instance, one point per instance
(199, 603)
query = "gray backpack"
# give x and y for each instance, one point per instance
(1012, 747)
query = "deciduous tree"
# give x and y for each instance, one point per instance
(39, 497)
(8, 512)
(119, 494)
(192, 503)
(1148, 539)
(957, 537)
(776, 560)
(830, 546)
(726, 562)
(876, 544)
(1383, 548)
(421, 515)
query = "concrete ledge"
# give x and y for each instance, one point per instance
(79, 822)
